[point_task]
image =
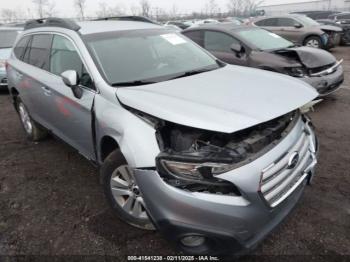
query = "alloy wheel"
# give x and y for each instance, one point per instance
(127, 194)
(25, 118)
(313, 43)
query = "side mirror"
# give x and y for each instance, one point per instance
(236, 47)
(297, 25)
(71, 79)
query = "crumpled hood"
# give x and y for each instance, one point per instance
(311, 57)
(331, 28)
(226, 100)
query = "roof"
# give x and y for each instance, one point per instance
(93, 27)
(222, 27)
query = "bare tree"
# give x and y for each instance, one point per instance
(44, 8)
(211, 8)
(243, 7)
(107, 11)
(135, 10)
(80, 5)
(145, 8)
(174, 12)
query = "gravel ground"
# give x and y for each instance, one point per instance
(51, 202)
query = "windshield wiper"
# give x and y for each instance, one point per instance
(133, 83)
(193, 72)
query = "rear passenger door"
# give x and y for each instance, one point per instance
(71, 117)
(219, 44)
(286, 27)
(33, 78)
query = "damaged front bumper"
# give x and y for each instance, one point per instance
(233, 224)
(326, 83)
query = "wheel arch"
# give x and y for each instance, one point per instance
(14, 95)
(107, 145)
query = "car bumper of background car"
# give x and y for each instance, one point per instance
(327, 84)
(222, 224)
(3, 79)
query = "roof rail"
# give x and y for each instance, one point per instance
(127, 18)
(52, 22)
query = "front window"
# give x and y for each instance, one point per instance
(65, 57)
(141, 56)
(218, 42)
(264, 40)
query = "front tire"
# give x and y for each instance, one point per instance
(122, 192)
(33, 131)
(313, 41)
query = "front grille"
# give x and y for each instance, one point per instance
(320, 69)
(279, 180)
(3, 81)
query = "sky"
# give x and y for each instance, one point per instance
(66, 7)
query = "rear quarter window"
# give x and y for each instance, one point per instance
(20, 47)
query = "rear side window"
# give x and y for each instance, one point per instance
(20, 47)
(65, 57)
(267, 22)
(217, 41)
(39, 54)
(195, 36)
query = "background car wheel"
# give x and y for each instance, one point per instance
(313, 41)
(123, 193)
(33, 131)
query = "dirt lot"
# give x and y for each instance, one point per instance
(51, 203)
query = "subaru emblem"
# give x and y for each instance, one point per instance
(293, 160)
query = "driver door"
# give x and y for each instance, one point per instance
(71, 117)
(219, 44)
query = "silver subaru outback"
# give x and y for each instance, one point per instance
(213, 156)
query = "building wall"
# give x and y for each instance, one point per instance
(276, 9)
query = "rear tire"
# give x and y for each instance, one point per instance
(313, 41)
(122, 192)
(34, 131)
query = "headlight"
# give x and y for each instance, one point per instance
(196, 171)
(297, 71)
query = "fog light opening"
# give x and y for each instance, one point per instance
(193, 241)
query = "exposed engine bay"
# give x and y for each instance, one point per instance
(191, 158)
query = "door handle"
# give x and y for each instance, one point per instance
(47, 90)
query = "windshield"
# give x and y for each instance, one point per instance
(8, 38)
(264, 40)
(146, 56)
(5, 53)
(307, 21)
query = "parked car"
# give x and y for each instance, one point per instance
(302, 30)
(178, 24)
(345, 36)
(173, 27)
(8, 37)
(341, 18)
(204, 22)
(317, 14)
(256, 47)
(214, 156)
